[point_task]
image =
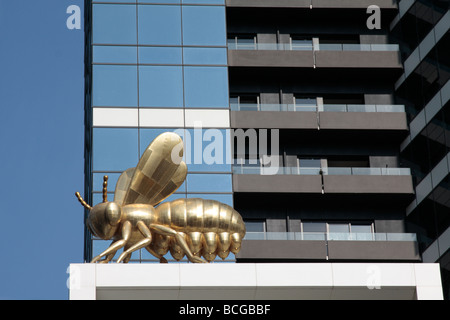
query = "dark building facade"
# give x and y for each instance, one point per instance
(423, 30)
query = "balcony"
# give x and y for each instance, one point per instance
(283, 246)
(313, 54)
(327, 116)
(322, 180)
(362, 4)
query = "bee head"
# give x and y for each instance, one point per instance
(104, 219)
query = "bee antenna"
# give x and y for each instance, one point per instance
(83, 203)
(105, 189)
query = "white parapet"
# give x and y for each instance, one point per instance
(256, 281)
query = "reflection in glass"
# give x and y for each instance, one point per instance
(159, 25)
(160, 55)
(197, 182)
(160, 86)
(204, 25)
(207, 152)
(314, 227)
(115, 149)
(114, 86)
(114, 54)
(206, 87)
(114, 24)
(255, 225)
(206, 56)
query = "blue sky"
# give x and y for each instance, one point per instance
(41, 145)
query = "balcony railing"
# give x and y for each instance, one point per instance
(256, 169)
(232, 45)
(330, 236)
(315, 108)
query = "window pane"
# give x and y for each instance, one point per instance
(314, 227)
(160, 86)
(206, 150)
(130, 1)
(159, 1)
(338, 227)
(98, 181)
(255, 226)
(115, 149)
(114, 24)
(209, 183)
(205, 56)
(114, 86)
(206, 87)
(160, 55)
(223, 198)
(114, 54)
(204, 1)
(159, 25)
(361, 228)
(309, 163)
(204, 25)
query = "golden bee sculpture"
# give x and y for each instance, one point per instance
(192, 227)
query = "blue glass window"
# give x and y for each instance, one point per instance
(205, 183)
(159, 25)
(114, 54)
(159, 1)
(130, 1)
(205, 56)
(98, 181)
(115, 149)
(160, 55)
(114, 24)
(206, 150)
(114, 86)
(160, 86)
(204, 1)
(206, 87)
(204, 25)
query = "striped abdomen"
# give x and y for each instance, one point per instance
(211, 228)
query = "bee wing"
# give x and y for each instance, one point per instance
(159, 172)
(122, 185)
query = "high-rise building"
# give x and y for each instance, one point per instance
(423, 30)
(322, 122)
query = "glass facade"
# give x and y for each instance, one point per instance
(151, 60)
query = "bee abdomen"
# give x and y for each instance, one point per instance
(211, 228)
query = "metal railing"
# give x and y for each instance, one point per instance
(331, 236)
(315, 108)
(233, 45)
(257, 169)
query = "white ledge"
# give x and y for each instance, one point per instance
(256, 281)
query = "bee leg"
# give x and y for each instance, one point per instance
(180, 240)
(141, 244)
(160, 257)
(126, 231)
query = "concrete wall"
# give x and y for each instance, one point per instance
(295, 250)
(322, 120)
(332, 184)
(323, 59)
